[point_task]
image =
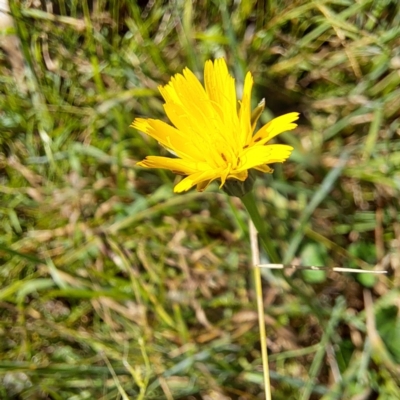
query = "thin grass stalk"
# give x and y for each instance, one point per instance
(263, 333)
(249, 202)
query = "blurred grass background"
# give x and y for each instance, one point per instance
(113, 287)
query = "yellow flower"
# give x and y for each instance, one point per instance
(212, 137)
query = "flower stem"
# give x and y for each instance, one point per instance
(251, 207)
(249, 202)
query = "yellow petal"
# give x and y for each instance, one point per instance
(170, 138)
(196, 179)
(256, 114)
(240, 176)
(202, 186)
(199, 120)
(188, 106)
(264, 168)
(210, 137)
(275, 127)
(259, 155)
(224, 175)
(245, 111)
(181, 167)
(181, 87)
(220, 88)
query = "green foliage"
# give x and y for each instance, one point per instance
(314, 254)
(113, 287)
(388, 323)
(366, 252)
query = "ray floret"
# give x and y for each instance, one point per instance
(211, 133)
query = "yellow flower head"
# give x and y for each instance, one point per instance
(212, 137)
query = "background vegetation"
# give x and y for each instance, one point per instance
(114, 287)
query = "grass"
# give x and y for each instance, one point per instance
(114, 287)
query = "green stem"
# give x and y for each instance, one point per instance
(251, 207)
